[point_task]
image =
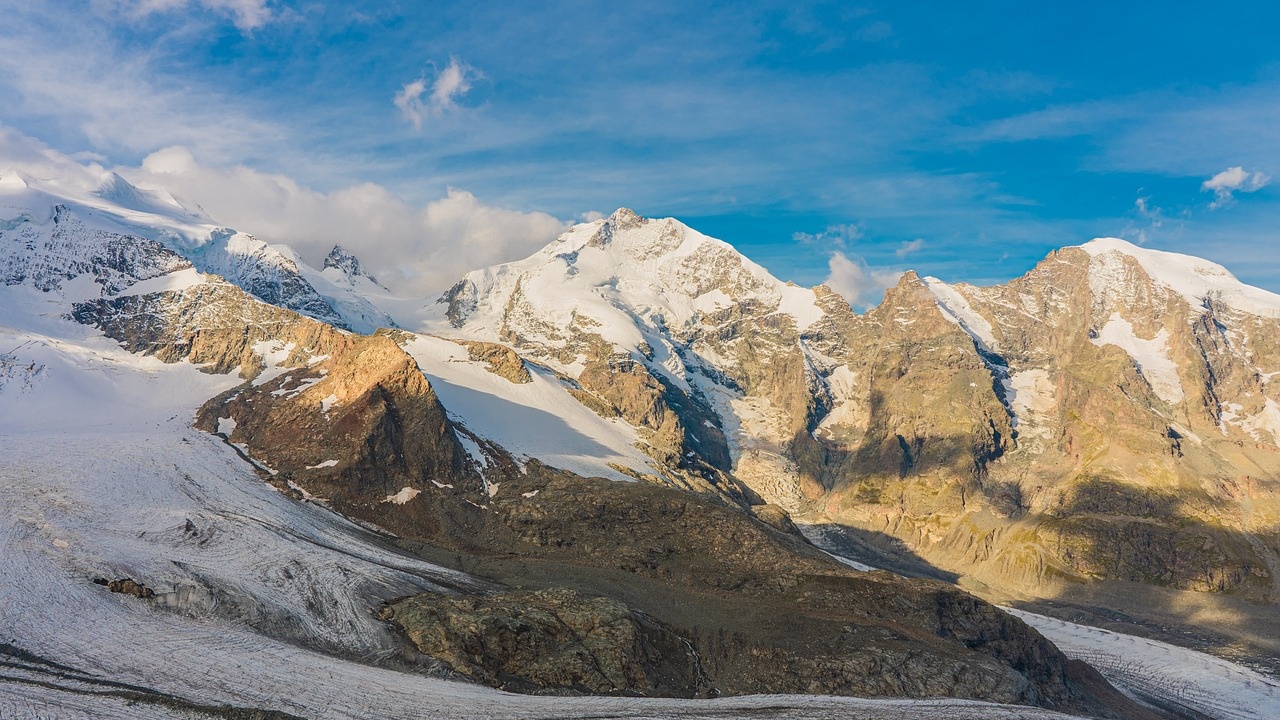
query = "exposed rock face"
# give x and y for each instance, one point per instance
(264, 271)
(348, 417)
(551, 640)
(45, 253)
(764, 611)
(672, 331)
(127, 586)
(502, 360)
(355, 427)
(214, 324)
(1112, 437)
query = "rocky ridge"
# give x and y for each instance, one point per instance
(740, 387)
(52, 217)
(1109, 417)
(351, 420)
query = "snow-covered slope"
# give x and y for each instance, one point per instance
(635, 281)
(1196, 279)
(538, 419)
(262, 601)
(1172, 676)
(715, 342)
(79, 211)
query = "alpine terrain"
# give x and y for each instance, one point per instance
(631, 475)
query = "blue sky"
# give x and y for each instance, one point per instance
(965, 140)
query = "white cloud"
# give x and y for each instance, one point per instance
(247, 15)
(860, 285)
(908, 247)
(1232, 180)
(450, 84)
(839, 236)
(79, 81)
(414, 250)
(33, 158)
(1149, 219)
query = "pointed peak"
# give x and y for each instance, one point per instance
(341, 258)
(911, 277)
(625, 218)
(347, 263)
(621, 220)
(120, 191)
(910, 289)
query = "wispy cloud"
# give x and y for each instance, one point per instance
(1233, 180)
(248, 15)
(908, 247)
(1145, 219)
(838, 236)
(83, 87)
(449, 85)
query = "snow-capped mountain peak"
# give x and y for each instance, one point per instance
(122, 193)
(348, 267)
(624, 276)
(80, 211)
(1196, 279)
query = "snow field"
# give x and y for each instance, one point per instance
(536, 419)
(1192, 680)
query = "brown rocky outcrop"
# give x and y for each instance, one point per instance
(502, 360)
(764, 611)
(127, 586)
(359, 426)
(1112, 471)
(341, 416)
(553, 640)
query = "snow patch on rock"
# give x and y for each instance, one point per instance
(1151, 356)
(404, 496)
(957, 309)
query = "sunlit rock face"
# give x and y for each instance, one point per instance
(998, 430)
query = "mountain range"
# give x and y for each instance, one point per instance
(633, 464)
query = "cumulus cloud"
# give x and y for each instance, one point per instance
(1233, 180)
(416, 104)
(908, 247)
(838, 236)
(414, 250)
(860, 285)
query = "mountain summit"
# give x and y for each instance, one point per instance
(343, 261)
(642, 418)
